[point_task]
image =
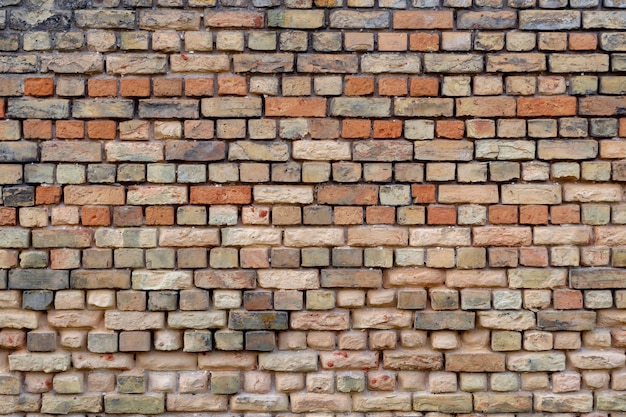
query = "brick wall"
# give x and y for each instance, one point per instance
(256, 207)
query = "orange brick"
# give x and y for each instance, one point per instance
(348, 215)
(424, 87)
(295, 107)
(135, 87)
(8, 216)
(450, 129)
(38, 87)
(583, 41)
(70, 129)
(232, 86)
(392, 86)
(423, 19)
(197, 87)
(234, 194)
(502, 214)
(102, 129)
(546, 106)
(392, 41)
(568, 214)
(423, 193)
(622, 127)
(37, 129)
(102, 87)
(533, 214)
(159, 216)
(443, 215)
(424, 42)
(380, 215)
(95, 216)
(533, 256)
(2, 107)
(356, 129)
(359, 86)
(167, 87)
(48, 194)
(387, 129)
(566, 299)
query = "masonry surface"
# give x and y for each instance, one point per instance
(284, 207)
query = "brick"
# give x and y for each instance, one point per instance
(390, 63)
(423, 20)
(296, 19)
(546, 106)
(295, 107)
(503, 402)
(191, 64)
(360, 107)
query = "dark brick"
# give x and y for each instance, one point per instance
(440, 320)
(162, 300)
(182, 150)
(41, 341)
(38, 279)
(45, 20)
(37, 300)
(259, 320)
(262, 341)
(576, 321)
(19, 196)
(18, 152)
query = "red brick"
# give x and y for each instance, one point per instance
(380, 215)
(102, 129)
(37, 129)
(356, 129)
(424, 87)
(135, 87)
(546, 106)
(502, 214)
(533, 256)
(232, 86)
(234, 194)
(424, 42)
(423, 193)
(102, 87)
(198, 87)
(450, 129)
(392, 86)
(159, 216)
(533, 214)
(583, 41)
(622, 128)
(442, 215)
(359, 86)
(8, 216)
(45, 194)
(95, 216)
(167, 87)
(2, 107)
(387, 129)
(295, 107)
(38, 87)
(70, 129)
(568, 214)
(566, 299)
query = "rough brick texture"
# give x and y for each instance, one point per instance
(379, 208)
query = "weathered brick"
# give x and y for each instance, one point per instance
(171, 19)
(235, 19)
(390, 63)
(503, 402)
(34, 108)
(453, 63)
(296, 19)
(263, 63)
(319, 321)
(136, 64)
(84, 63)
(360, 107)
(566, 321)
(188, 64)
(45, 20)
(423, 19)
(130, 404)
(549, 19)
